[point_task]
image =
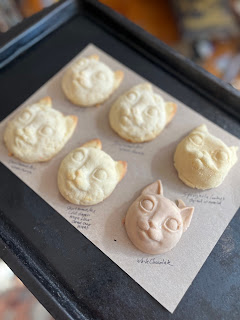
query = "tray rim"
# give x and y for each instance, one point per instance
(31, 30)
(19, 254)
(9, 249)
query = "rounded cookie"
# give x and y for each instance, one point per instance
(88, 175)
(89, 82)
(38, 132)
(154, 223)
(140, 114)
(202, 160)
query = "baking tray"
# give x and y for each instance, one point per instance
(68, 274)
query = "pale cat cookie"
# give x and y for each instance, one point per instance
(202, 160)
(38, 132)
(89, 82)
(140, 114)
(88, 175)
(154, 223)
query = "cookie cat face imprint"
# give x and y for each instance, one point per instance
(38, 132)
(88, 175)
(202, 160)
(140, 115)
(89, 82)
(154, 223)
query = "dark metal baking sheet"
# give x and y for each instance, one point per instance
(69, 275)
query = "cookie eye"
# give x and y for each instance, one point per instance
(221, 156)
(46, 131)
(78, 156)
(152, 111)
(25, 116)
(196, 139)
(101, 75)
(171, 224)
(147, 204)
(100, 174)
(132, 96)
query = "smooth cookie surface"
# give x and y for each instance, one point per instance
(202, 160)
(140, 115)
(88, 175)
(89, 82)
(38, 132)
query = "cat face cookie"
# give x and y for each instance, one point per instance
(88, 175)
(140, 115)
(38, 132)
(202, 160)
(154, 223)
(89, 82)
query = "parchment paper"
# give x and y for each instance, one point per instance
(166, 277)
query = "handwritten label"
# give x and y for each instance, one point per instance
(24, 167)
(130, 147)
(204, 198)
(80, 217)
(155, 261)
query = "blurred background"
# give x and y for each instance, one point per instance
(16, 301)
(206, 31)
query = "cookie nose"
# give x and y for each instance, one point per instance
(19, 132)
(199, 154)
(25, 131)
(27, 134)
(28, 130)
(137, 115)
(153, 224)
(84, 73)
(22, 131)
(82, 184)
(208, 161)
(71, 175)
(155, 234)
(84, 80)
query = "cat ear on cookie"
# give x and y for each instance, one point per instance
(180, 204)
(145, 86)
(202, 128)
(94, 57)
(45, 102)
(118, 75)
(155, 188)
(186, 213)
(121, 167)
(95, 143)
(233, 151)
(171, 109)
(71, 122)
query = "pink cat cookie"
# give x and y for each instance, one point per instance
(154, 223)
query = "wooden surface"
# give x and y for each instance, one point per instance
(155, 16)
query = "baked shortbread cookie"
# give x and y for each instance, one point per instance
(140, 114)
(88, 175)
(154, 223)
(38, 132)
(89, 82)
(202, 160)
